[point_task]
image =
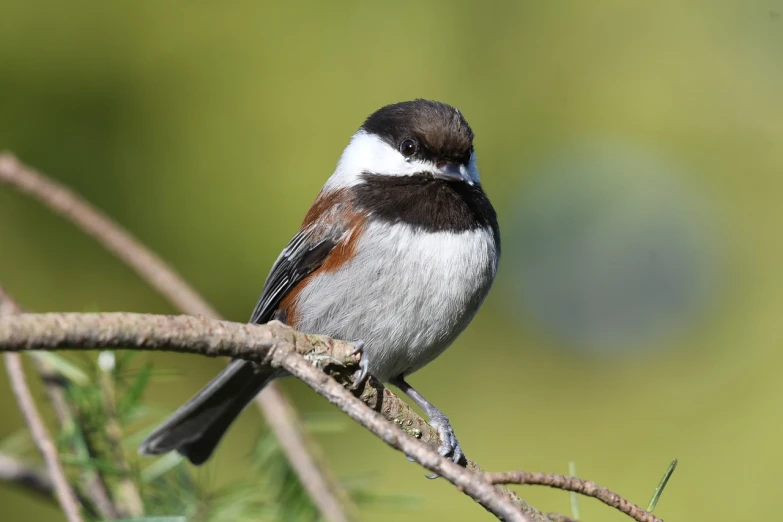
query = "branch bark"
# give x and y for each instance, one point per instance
(327, 495)
(577, 485)
(274, 345)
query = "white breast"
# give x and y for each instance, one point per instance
(406, 293)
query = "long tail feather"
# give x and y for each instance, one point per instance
(197, 427)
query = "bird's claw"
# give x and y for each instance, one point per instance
(449, 445)
(362, 373)
(358, 347)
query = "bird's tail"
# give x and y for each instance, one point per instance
(195, 429)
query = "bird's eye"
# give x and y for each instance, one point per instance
(408, 148)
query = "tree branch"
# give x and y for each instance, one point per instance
(281, 416)
(274, 345)
(577, 485)
(13, 362)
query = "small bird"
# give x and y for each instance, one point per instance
(396, 255)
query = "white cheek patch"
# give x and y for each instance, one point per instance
(369, 153)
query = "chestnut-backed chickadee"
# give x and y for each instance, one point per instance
(397, 254)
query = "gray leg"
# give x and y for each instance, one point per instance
(449, 445)
(364, 364)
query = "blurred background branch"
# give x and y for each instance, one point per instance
(43, 441)
(40, 435)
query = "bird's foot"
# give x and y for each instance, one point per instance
(449, 445)
(361, 374)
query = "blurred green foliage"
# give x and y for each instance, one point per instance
(208, 128)
(107, 418)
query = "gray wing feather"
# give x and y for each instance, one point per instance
(306, 251)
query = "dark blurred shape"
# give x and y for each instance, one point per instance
(611, 249)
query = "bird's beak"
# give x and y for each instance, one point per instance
(449, 171)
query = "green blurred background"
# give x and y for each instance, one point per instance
(632, 151)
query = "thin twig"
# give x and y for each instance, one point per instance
(15, 471)
(272, 345)
(63, 491)
(95, 495)
(577, 485)
(13, 363)
(276, 407)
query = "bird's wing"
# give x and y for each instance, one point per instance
(305, 253)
